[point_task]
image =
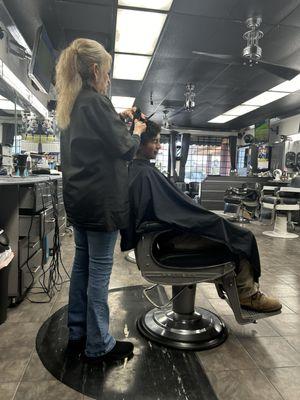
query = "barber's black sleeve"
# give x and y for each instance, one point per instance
(112, 131)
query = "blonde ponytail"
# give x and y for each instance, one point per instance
(74, 68)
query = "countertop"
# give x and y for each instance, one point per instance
(25, 180)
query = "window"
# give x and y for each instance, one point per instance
(207, 156)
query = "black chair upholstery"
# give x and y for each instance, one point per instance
(240, 199)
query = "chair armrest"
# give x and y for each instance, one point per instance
(152, 226)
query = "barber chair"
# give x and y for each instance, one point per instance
(268, 199)
(177, 323)
(241, 201)
(282, 205)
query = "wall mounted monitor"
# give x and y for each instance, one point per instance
(41, 68)
(262, 132)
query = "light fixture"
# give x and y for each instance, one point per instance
(127, 66)
(38, 106)
(119, 109)
(265, 98)
(137, 32)
(122, 102)
(9, 105)
(190, 95)
(9, 77)
(163, 5)
(240, 110)
(221, 119)
(288, 86)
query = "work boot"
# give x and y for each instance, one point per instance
(121, 351)
(261, 303)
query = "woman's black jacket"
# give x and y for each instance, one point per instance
(95, 149)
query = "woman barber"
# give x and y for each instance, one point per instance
(95, 146)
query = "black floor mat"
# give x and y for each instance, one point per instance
(154, 372)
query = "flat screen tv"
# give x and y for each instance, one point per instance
(41, 68)
(262, 132)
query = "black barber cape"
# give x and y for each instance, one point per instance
(153, 197)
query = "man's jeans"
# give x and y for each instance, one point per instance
(88, 313)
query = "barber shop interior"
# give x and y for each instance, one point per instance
(150, 199)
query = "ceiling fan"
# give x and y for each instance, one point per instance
(252, 53)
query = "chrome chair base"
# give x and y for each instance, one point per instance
(200, 330)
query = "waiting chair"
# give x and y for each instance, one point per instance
(177, 323)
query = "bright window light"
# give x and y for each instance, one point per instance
(163, 5)
(131, 67)
(288, 86)
(138, 31)
(265, 98)
(240, 110)
(8, 105)
(122, 102)
(221, 119)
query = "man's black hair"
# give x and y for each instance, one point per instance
(152, 130)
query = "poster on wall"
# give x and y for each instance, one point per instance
(263, 157)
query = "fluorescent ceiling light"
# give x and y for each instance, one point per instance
(122, 102)
(288, 86)
(8, 105)
(38, 106)
(240, 110)
(221, 119)
(119, 109)
(265, 98)
(9, 77)
(138, 31)
(131, 67)
(163, 5)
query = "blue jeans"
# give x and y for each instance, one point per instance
(88, 313)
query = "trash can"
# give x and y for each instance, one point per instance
(6, 256)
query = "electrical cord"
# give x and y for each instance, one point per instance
(51, 279)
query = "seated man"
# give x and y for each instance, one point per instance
(153, 197)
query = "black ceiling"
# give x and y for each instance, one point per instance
(211, 26)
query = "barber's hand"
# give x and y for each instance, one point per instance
(139, 127)
(128, 113)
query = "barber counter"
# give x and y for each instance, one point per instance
(30, 209)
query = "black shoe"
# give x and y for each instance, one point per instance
(119, 352)
(76, 347)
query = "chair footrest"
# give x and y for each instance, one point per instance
(248, 316)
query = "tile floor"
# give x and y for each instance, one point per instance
(258, 361)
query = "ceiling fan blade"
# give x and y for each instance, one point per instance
(220, 58)
(279, 70)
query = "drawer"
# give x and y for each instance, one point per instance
(27, 248)
(29, 270)
(35, 197)
(38, 225)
